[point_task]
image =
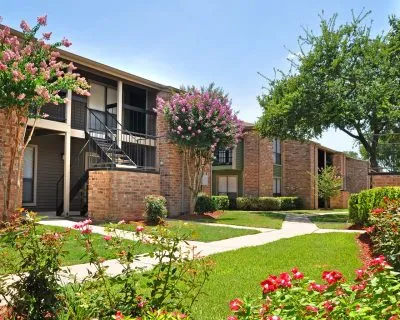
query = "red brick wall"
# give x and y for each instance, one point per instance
(251, 143)
(115, 195)
(266, 167)
(7, 139)
(298, 163)
(341, 201)
(357, 178)
(383, 180)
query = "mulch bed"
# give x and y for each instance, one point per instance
(205, 216)
(366, 252)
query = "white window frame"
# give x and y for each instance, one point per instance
(35, 165)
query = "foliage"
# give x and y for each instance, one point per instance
(268, 203)
(352, 154)
(205, 203)
(31, 75)
(329, 184)
(344, 76)
(375, 294)
(199, 122)
(35, 293)
(385, 233)
(173, 283)
(368, 200)
(237, 272)
(156, 208)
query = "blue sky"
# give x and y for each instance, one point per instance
(195, 42)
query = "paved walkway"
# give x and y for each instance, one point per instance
(294, 225)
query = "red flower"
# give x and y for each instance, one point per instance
(119, 315)
(107, 237)
(232, 318)
(312, 308)
(378, 211)
(370, 229)
(139, 228)
(332, 277)
(235, 304)
(269, 284)
(274, 318)
(360, 273)
(298, 275)
(328, 306)
(317, 287)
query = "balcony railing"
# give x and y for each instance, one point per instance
(54, 113)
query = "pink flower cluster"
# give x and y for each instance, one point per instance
(19, 63)
(84, 226)
(204, 119)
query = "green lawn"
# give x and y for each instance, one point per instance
(74, 249)
(196, 231)
(319, 211)
(331, 221)
(238, 273)
(260, 219)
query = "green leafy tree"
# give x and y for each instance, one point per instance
(343, 77)
(352, 154)
(329, 184)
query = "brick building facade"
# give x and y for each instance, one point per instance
(286, 168)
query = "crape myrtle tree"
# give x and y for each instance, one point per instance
(31, 75)
(342, 77)
(200, 121)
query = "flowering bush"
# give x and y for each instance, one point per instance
(31, 75)
(35, 292)
(165, 291)
(199, 122)
(375, 294)
(385, 231)
(361, 205)
(173, 284)
(156, 208)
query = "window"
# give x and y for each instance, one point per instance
(276, 149)
(277, 173)
(277, 187)
(227, 185)
(223, 157)
(29, 176)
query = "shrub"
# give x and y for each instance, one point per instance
(35, 292)
(220, 202)
(385, 231)
(375, 294)
(290, 203)
(353, 208)
(359, 211)
(204, 204)
(267, 203)
(156, 210)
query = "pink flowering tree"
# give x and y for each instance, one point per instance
(199, 122)
(31, 75)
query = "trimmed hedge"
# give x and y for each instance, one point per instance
(205, 203)
(268, 203)
(361, 204)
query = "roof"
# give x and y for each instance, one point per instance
(117, 73)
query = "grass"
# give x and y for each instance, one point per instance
(238, 273)
(260, 219)
(319, 211)
(196, 231)
(331, 221)
(74, 249)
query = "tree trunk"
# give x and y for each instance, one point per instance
(12, 131)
